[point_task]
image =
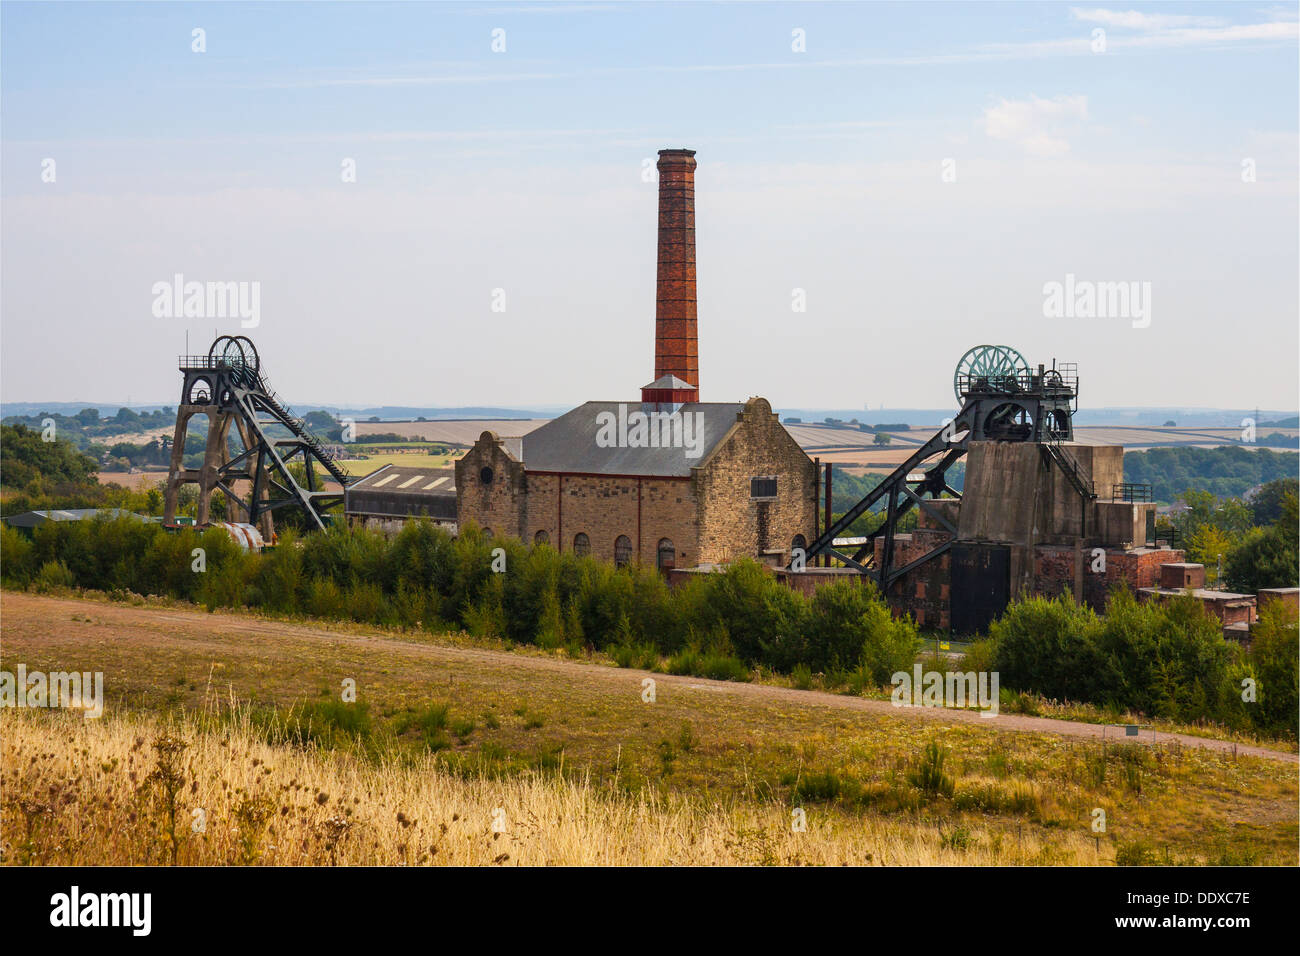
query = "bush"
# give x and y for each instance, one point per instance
(928, 775)
(1275, 662)
(429, 723)
(54, 575)
(848, 625)
(15, 557)
(328, 723)
(639, 656)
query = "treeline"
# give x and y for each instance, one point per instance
(1168, 661)
(86, 426)
(26, 457)
(1163, 660)
(718, 625)
(1228, 471)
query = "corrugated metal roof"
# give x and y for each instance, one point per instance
(399, 491)
(569, 443)
(30, 519)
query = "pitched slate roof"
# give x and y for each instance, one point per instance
(568, 443)
(669, 381)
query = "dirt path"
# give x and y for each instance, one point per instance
(26, 617)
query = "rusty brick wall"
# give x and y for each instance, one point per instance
(1056, 570)
(499, 505)
(731, 524)
(604, 507)
(1139, 568)
(676, 343)
(924, 592)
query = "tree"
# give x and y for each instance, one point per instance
(27, 456)
(881, 439)
(1171, 424)
(1269, 501)
(1267, 558)
(1205, 545)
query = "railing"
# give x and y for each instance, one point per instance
(202, 361)
(304, 434)
(1063, 379)
(1131, 491)
(1073, 473)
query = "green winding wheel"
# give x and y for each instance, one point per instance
(1001, 365)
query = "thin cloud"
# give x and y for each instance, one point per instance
(1037, 125)
(1133, 20)
(1152, 31)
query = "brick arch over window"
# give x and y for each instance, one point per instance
(799, 542)
(622, 550)
(542, 537)
(666, 558)
(581, 544)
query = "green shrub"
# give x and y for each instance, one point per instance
(325, 598)
(824, 787)
(639, 656)
(429, 724)
(15, 557)
(52, 576)
(328, 723)
(927, 773)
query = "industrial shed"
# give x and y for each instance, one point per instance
(388, 497)
(33, 519)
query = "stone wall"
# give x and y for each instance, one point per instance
(498, 503)
(603, 507)
(732, 524)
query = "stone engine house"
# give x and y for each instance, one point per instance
(751, 492)
(668, 481)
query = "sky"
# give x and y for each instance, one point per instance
(445, 204)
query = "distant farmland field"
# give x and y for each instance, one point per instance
(364, 466)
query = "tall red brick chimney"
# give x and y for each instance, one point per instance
(676, 348)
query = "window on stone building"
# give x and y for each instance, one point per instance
(581, 545)
(487, 532)
(485, 475)
(762, 487)
(799, 542)
(667, 555)
(541, 538)
(622, 550)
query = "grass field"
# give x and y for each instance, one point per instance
(364, 466)
(709, 772)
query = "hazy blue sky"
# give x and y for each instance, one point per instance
(821, 170)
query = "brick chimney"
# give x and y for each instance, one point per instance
(676, 348)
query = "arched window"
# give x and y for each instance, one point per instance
(799, 542)
(541, 538)
(622, 550)
(487, 532)
(581, 545)
(667, 559)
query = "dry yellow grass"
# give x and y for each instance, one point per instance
(89, 792)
